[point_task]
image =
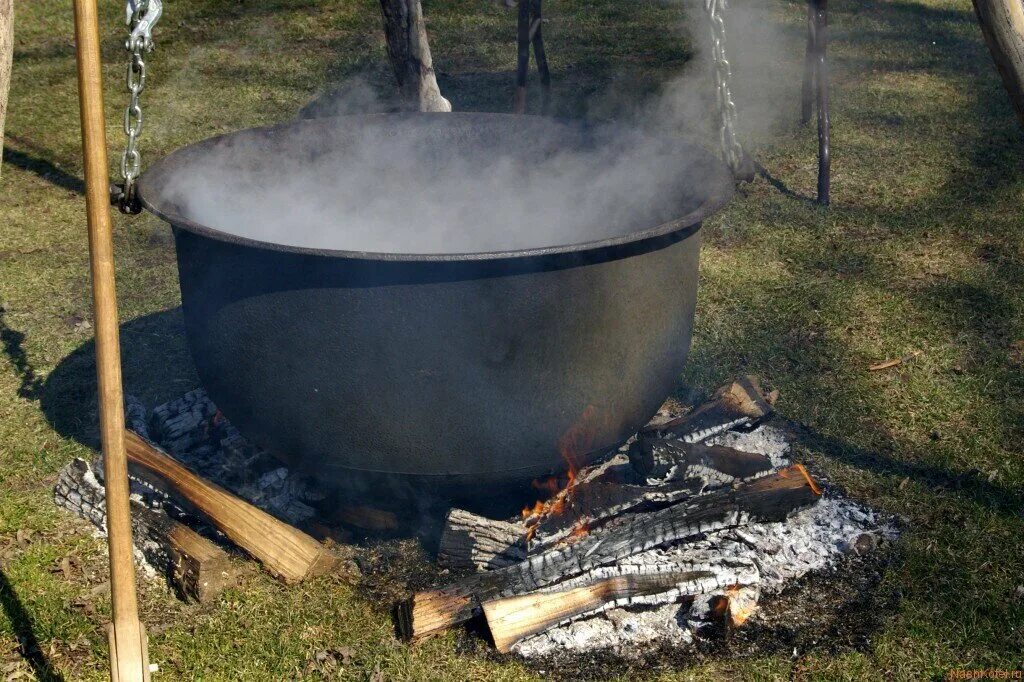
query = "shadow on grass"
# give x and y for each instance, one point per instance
(972, 485)
(155, 364)
(11, 342)
(44, 168)
(21, 621)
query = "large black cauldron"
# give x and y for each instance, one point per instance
(449, 368)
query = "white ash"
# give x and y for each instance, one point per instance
(767, 440)
(813, 539)
(192, 429)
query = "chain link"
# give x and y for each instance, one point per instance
(732, 151)
(141, 16)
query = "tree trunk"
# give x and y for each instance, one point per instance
(409, 51)
(1002, 24)
(6, 52)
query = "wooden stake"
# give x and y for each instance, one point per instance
(128, 650)
(1002, 25)
(288, 553)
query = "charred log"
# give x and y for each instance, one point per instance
(600, 495)
(660, 461)
(741, 403)
(514, 618)
(471, 541)
(198, 569)
(770, 498)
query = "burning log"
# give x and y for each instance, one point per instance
(741, 403)
(737, 604)
(286, 552)
(769, 498)
(471, 541)
(197, 568)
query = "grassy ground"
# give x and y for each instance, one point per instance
(923, 249)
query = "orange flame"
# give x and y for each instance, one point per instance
(736, 604)
(576, 442)
(580, 530)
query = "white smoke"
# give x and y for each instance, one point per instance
(376, 186)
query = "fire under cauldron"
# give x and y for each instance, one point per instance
(477, 366)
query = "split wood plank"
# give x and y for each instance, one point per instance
(286, 552)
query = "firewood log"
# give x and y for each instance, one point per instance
(286, 552)
(471, 541)
(514, 618)
(741, 403)
(198, 569)
(770, 498)
(674, 459)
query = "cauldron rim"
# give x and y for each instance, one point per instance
(720, 184)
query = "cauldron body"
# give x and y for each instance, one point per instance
(449, 369)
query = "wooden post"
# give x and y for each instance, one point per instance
(537, 39)
(409, 50)
(128, 652)
(821, 82)
(1002, 24)
(807, 92)
(522, 56)
(6, 51)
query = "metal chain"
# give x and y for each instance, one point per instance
(732, 151)
(141, 17)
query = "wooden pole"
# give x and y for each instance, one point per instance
(807, 92)
(6, 53)
(537, 38)
(128, 655)
(1002, 24)
(821, 84)
(522, 56)
(409, 50)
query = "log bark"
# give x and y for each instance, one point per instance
(6, 54)
(471, 541)
(409, 51)
(770, 498)
(1002, 25)
(198, 569)
(286, 552)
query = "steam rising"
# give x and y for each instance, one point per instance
(438, 184)
(382, 185)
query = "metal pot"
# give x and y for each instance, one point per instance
(447, 368)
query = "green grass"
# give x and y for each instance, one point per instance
(923, 249)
